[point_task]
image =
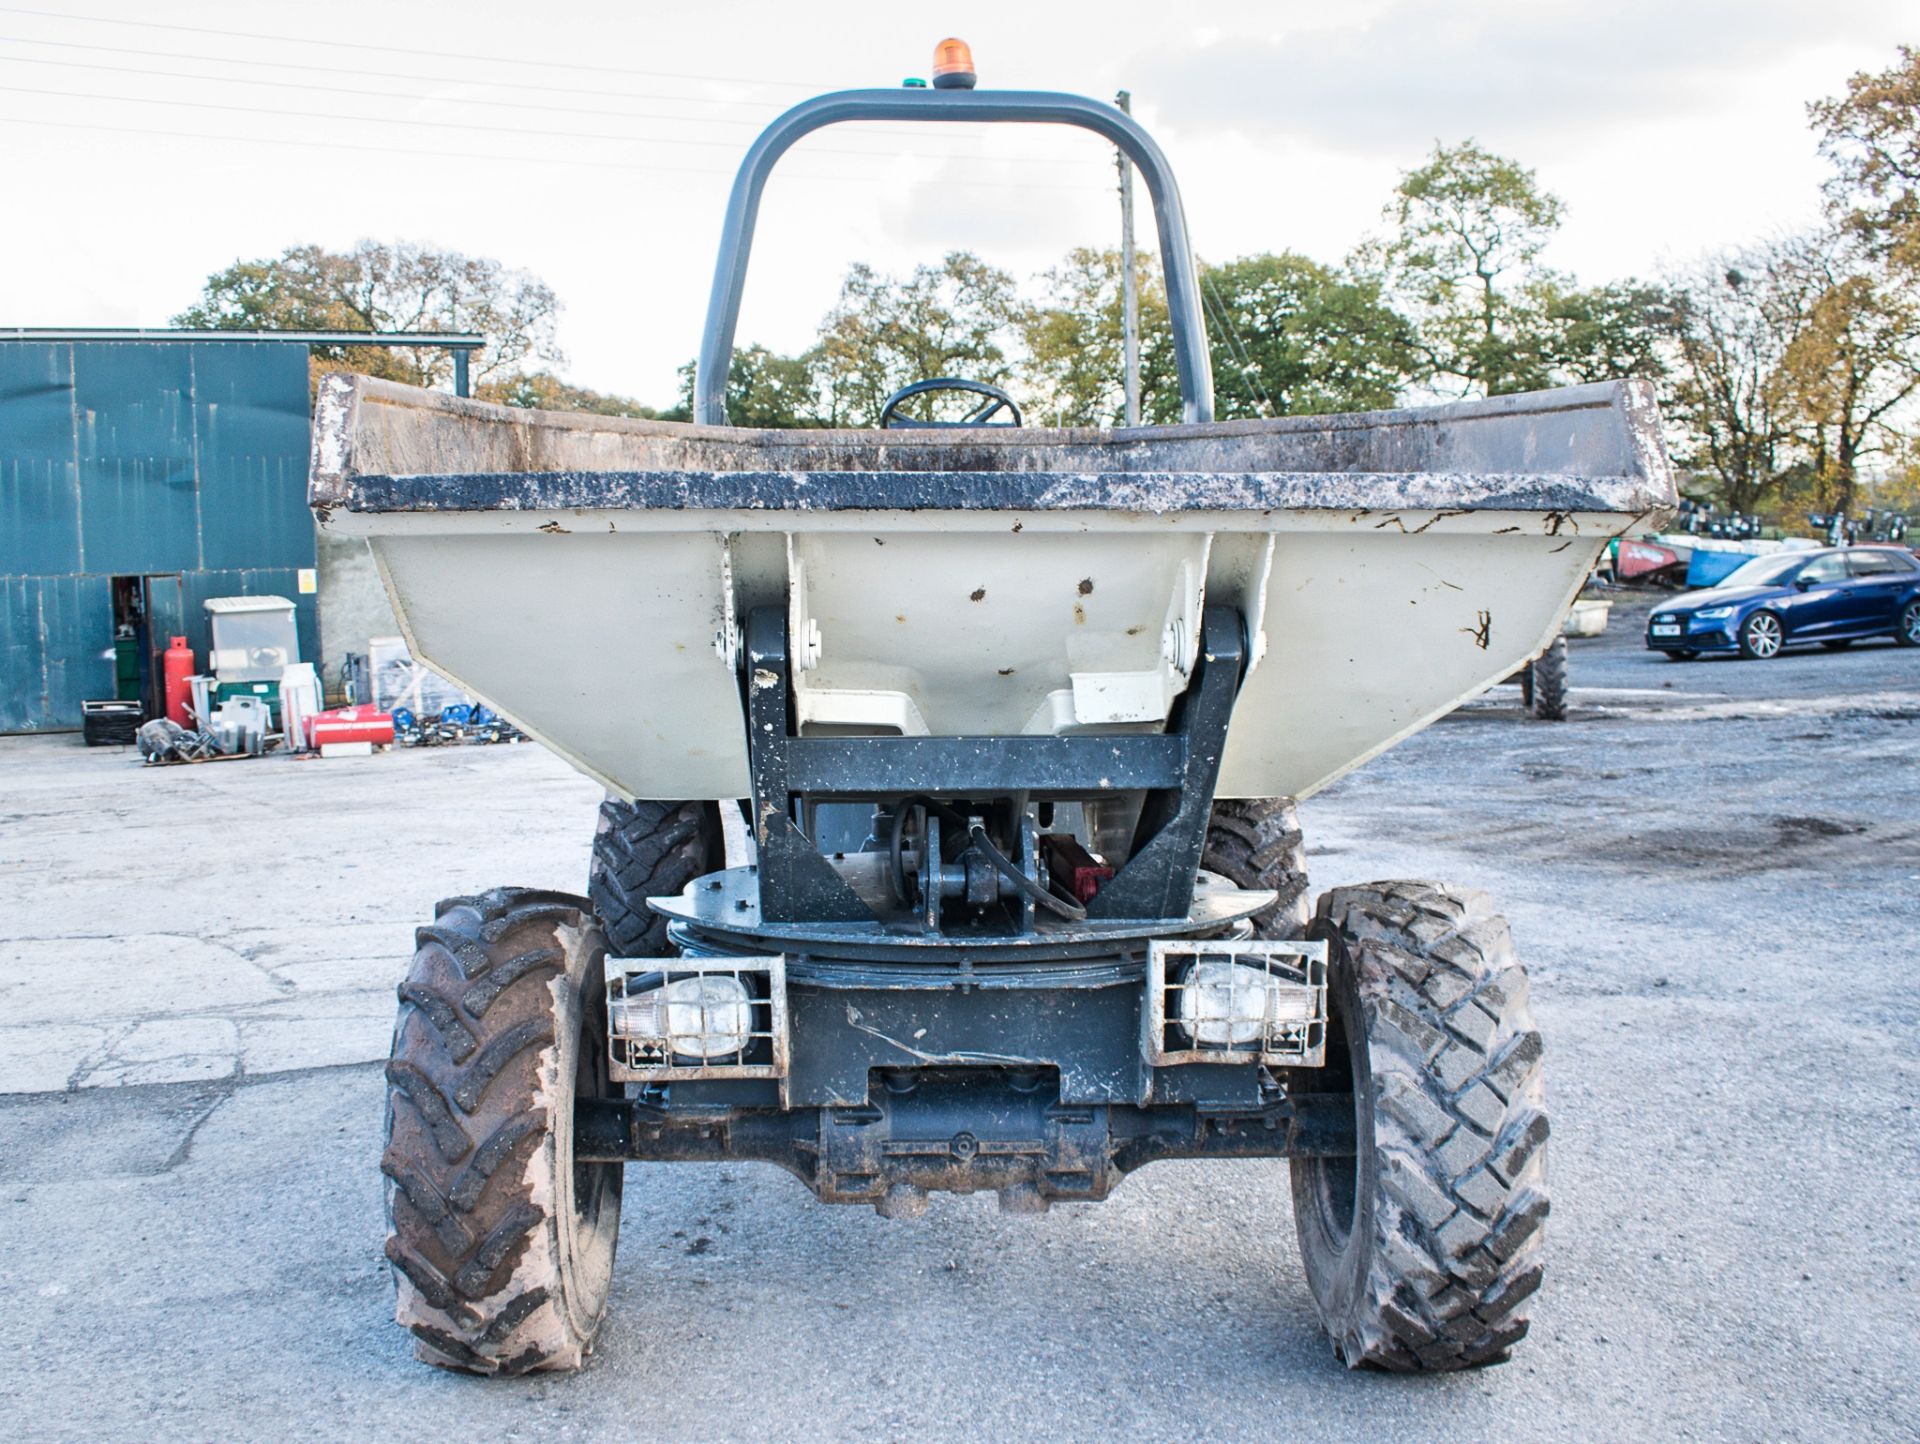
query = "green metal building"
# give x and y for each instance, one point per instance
(140, 474)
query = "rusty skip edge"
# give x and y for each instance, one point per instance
(1153, 493)
(382, 447)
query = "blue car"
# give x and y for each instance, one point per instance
(1829, 595)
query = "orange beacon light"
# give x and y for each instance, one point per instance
(953, 66)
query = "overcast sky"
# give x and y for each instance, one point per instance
(593, 143)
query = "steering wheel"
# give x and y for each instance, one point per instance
(996, 401)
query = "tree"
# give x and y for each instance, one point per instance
(1599, 333)
(1733, 319)
(1853, 364)
(1872, 135)
(1075, 364)
(387, 287)
(1467, 226)
(959, 318)
(1291, 337)
(544, 391)
(764, 390)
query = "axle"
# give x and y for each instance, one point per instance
(961, 1131)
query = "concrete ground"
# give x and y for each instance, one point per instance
(1714, 871)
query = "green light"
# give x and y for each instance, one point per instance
(913, 82)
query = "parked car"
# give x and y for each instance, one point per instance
(1829, 595)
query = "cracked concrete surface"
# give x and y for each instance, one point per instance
(183, 924)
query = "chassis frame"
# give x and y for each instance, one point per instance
(1045, 1077)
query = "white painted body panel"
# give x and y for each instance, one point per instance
(611, 633)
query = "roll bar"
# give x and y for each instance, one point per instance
(1040, 107)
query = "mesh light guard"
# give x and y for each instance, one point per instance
(647, 1060)
(1301, 967)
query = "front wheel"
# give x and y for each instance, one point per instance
(1906, 631)
(1422, 1250)
(501, 1242)
(1761, 637)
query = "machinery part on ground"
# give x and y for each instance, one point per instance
(109, 722)
(158, 739)
(501, 1242)
(1907, 632)
(981, 415)
(240, 725)
(163, 740)
(1761, 637)
(1545, 686)
(1422, 1250)
(1256, 843)
(643, 850)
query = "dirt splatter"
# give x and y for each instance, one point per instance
(1086, 586)
(979, 594)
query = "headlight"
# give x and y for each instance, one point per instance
(1713, 614)
(1226, 1005)
(699, 1018)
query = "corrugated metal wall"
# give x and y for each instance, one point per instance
(133, 458)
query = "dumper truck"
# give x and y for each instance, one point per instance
(1065, 684)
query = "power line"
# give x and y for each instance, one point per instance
(331, 88)
(380, 74)
(457, 125)
(1235, 345)
(397, 49)
(452, 100)
(495, 156)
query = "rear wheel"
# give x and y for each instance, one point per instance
(1906, 631)
(1256, 843)
(643, 850)
(501, 1244)
(1422, 1250)
(1761, 637)
(1547, 697)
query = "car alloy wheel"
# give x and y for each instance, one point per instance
(1761, 636)
(1910, 625)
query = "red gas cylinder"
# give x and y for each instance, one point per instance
(177, 669)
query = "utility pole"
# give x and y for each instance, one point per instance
(1129, 289)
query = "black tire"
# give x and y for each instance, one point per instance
(501, 1244)
(1255, 843)
(1762, 636)
(643, 850)
(1906, 628)
(1547, 696)
(1422, 1251)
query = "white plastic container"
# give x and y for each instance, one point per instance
(300, 698)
